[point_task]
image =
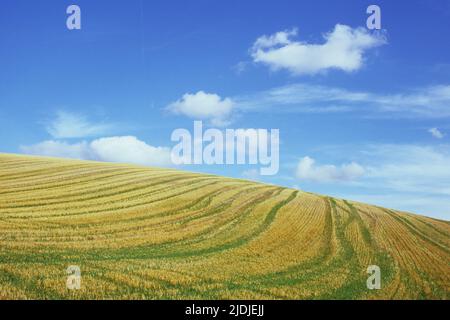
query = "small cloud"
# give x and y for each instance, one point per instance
(240, 67)
(204, 106)
(70, 125)
(126, 149)
(436, 133)
(343, 49)
(307, 169)
(251, 174)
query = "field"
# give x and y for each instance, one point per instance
(148, 233)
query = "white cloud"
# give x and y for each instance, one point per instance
(308, 170)
(71, 125)
(432, 102)
(302, 98)
(61, 149)
(204, 106)
(436, 133)
(126, 149)
(251, 174)
(428, 102)
(409, 168)
(240, 67)
(343, 49)
(129, 149)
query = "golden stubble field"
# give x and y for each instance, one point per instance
(147, 233)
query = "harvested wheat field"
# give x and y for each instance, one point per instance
(147, 233)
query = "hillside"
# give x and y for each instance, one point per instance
(147, 233)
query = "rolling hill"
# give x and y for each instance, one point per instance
(148, 233)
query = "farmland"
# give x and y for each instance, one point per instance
(150, 233)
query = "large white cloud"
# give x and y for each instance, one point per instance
(126, 149)
(129, 149)
(71, 125)
(204, 106)
(308, 170)
(343, 49)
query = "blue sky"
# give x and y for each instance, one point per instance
(362, 114)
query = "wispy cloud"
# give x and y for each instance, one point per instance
(436, 133)
(432, 102)
(240, 67)
(427, 102)
(343, 49)
(71, 125)
(251, 174)
(62, 149)
(409, 168)
(303, 98)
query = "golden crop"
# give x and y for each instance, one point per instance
(147, 233)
